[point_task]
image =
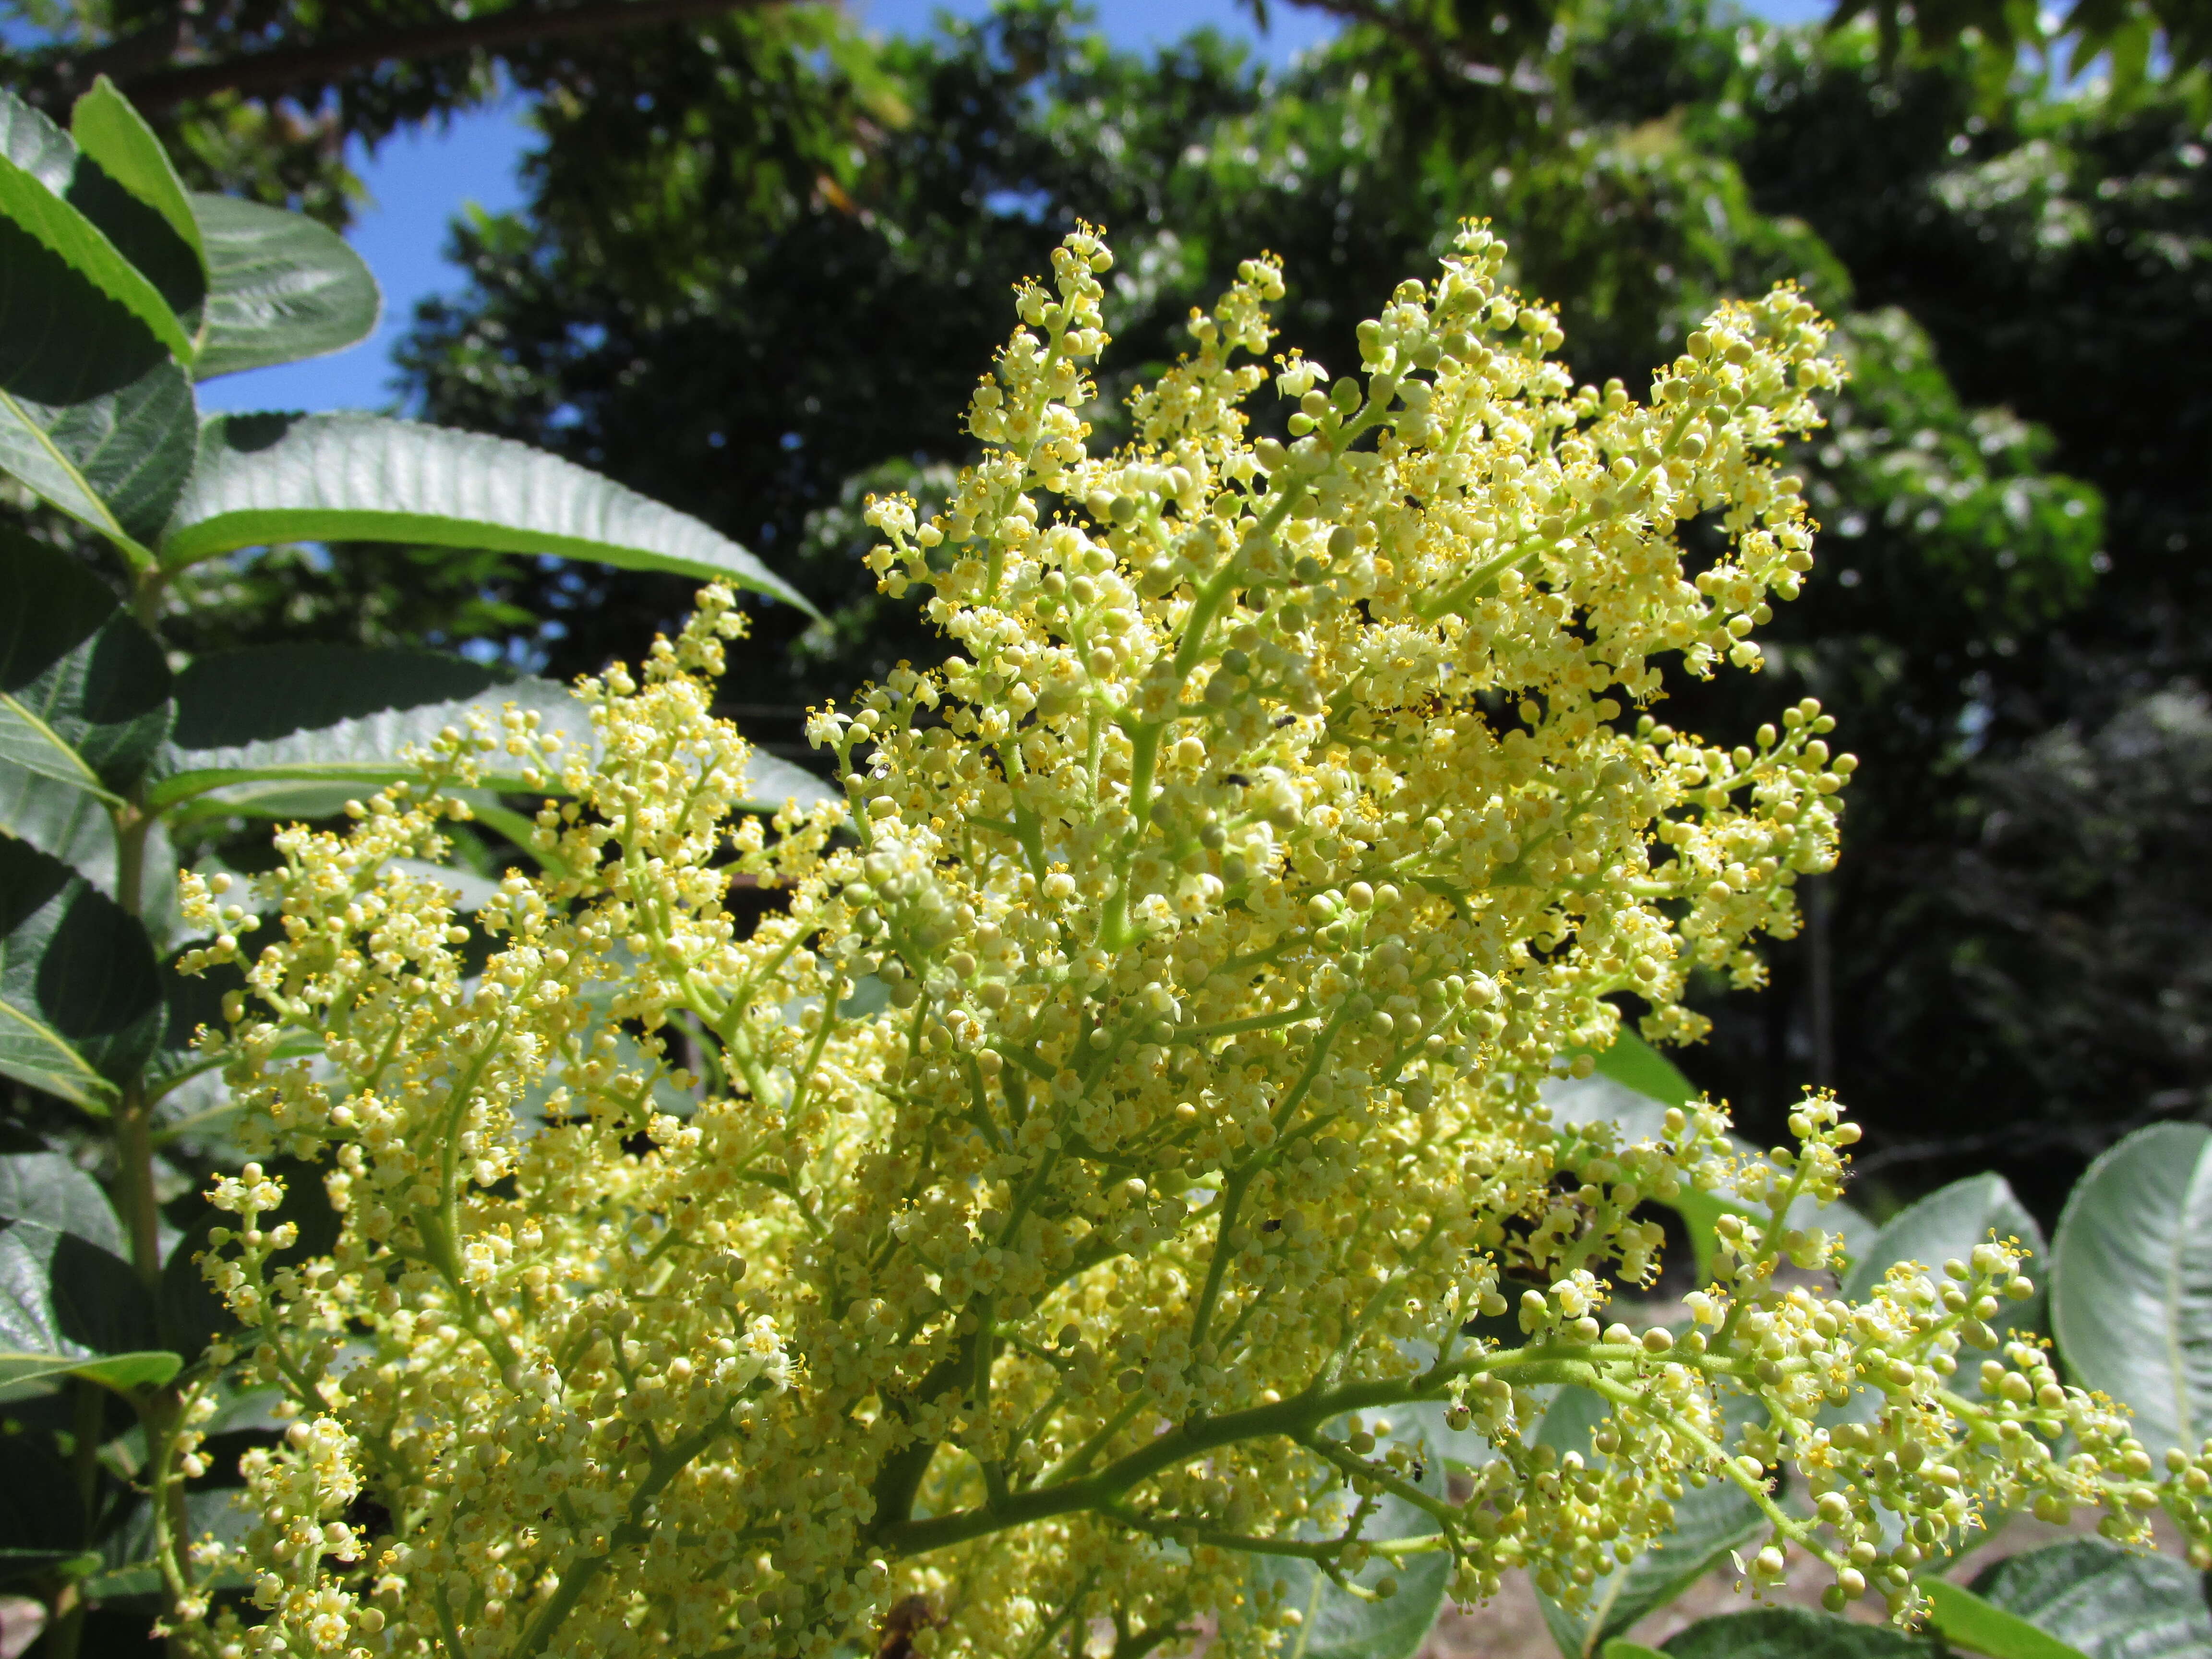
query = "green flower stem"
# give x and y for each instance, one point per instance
(635, 1529)
(1798, 1532)
(1292, 1418)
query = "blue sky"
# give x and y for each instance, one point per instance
(419, 181)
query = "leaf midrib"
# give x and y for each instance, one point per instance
(87, 779)
(107, 524)
(40, 1028)
(2176, 1358)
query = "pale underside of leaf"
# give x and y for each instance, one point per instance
(313, 768)
(281, 289)
(2105, 1602)
(770, 782)
(266, 479)
(2131, 1302)
(1947, 1224)
(46, 1188)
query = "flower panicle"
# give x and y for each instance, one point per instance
(1152, 1085)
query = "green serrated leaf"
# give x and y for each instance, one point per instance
(265, 479)
(46, 1188)
(2131, 1285)
(280, 287)
(57, 226)
(80, 1004)
(84, 690)
(61, 341)
(117, 461)
(2103, 1601)
(1709, 1523)
(90, 412)
(1621, 1648)
(69, 1308)
(1965, 1620)
(241, 739)
(1793, 1634)
(109, 130)
(70, 825)
(1946, 1225)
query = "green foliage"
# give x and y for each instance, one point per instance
(281, 288)
(80, 1006)
(2131, 1299)
(2102, 1601)
(1981, 1626)
(1789, 1633)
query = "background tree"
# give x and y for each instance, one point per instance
(260, 97)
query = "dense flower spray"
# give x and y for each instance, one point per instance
(1027, 1231)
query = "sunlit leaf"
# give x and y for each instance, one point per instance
(263, 478)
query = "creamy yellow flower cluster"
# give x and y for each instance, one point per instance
(1027, 1228)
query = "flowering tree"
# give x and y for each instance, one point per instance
(1058, 1212)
